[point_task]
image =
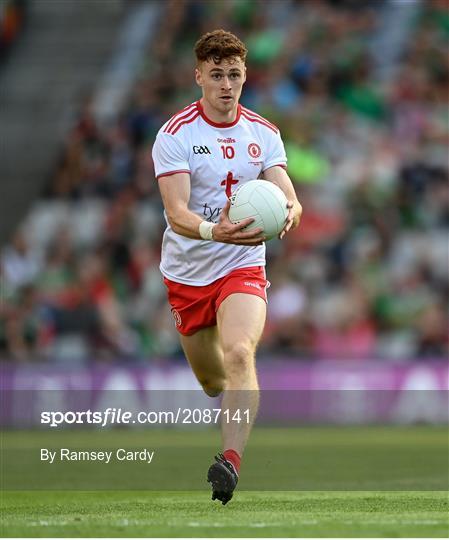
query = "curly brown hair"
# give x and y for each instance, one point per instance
(218, 45)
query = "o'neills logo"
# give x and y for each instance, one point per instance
(177, 317)
(229, 140)
(249, 284)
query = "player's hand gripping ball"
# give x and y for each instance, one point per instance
(263, 201)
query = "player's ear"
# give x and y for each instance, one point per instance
(244, 74)
(198, 77)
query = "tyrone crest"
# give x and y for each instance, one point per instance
(177, 317)
(254, 150)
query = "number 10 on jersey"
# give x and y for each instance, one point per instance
(228, 152)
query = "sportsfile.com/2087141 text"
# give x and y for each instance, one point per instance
(117, 416)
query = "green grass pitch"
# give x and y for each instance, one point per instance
(296, 482)
(250, 514)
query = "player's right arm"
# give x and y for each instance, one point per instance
(175, 193)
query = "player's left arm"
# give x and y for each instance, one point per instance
(278, 175)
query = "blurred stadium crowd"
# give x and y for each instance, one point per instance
(12, 21)
(364, 276)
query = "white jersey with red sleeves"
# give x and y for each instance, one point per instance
(219, 159)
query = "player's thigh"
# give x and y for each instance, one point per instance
(241, 319)
(204, 354)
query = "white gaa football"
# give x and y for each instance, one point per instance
(263, 201)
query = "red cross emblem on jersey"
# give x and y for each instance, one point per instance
(229, 182)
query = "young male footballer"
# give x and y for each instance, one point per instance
(214, 270)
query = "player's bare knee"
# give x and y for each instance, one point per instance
(239, 356)
(213, 387)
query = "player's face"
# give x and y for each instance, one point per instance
(221, 84)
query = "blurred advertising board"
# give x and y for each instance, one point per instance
(293, 393)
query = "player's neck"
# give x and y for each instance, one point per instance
(217, 116)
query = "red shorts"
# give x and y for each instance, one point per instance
(194, 308)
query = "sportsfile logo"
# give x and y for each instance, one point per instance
(201, 150)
